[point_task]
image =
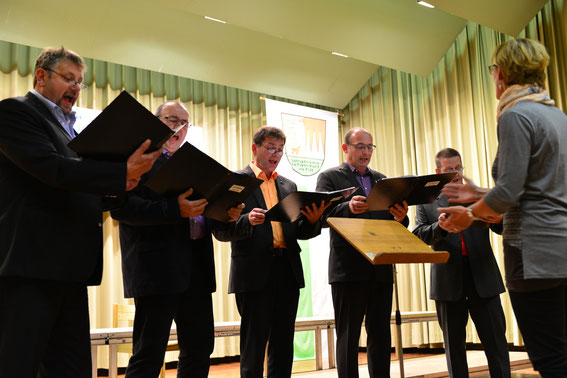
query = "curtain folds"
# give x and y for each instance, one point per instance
(410, 117)
(228, 117)
(413, 117)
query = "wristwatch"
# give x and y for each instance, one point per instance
(471, 214)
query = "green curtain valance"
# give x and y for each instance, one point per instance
(99, 73)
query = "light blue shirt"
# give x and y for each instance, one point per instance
(66, 120)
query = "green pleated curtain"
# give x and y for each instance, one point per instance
(228, 117)
(411, 118)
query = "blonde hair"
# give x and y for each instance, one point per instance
(522, 61)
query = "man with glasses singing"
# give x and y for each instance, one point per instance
(168, 267)
(265, 271)
(359, 289)
(51, 204)
(469, 283)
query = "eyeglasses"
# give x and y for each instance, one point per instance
(460, 169)
(492, 68)
(272, 150)
(174, 120)
(362, 147)
(71, 82)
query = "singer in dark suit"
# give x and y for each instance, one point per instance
(265, 271)
(51, 204)
(168, 268)
(469, 283)
(359, 289)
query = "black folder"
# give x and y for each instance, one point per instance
(288, 209)
(119, 130)
(416, 190)
(191, 168)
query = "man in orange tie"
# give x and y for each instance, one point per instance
(265, 270)
(469, 283)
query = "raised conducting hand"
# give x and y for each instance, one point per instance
(454, 218)
(399, 211)
(357, 204)
(256, 216)
(234, 212)
(139, 163)
(314, 212)
(189, 209)
(463, 193)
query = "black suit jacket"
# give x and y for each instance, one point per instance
(50, 200)
(345, 262)
(158, 255)
(446, 279)
(252, 246)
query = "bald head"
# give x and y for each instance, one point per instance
(174, 114)
(358, 147)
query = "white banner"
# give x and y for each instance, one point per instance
(312, 146)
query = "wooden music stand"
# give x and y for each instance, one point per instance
(387, 242)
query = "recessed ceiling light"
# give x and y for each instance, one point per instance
(339, 54)
(425, 4)
(215, 19)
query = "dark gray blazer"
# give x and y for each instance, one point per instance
(158, 255)
(50, 200)
(252, 246)
(446, 279)
(345, 262)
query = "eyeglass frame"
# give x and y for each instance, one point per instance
(454, 170)
(71, 82)
(492, 68)
(362, 147)
(179, 120)
(272, 150)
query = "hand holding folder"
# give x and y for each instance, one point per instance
(416, 190)
(191, 168)
(289, 208)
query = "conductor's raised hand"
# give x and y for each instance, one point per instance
(463, 193)
(314, 212)
(399, 211)
(139, 163)
(357, 204)
(234, 212)
(257, 216)
(189, 209)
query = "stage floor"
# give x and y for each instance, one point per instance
(415, 365)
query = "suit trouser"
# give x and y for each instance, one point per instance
(353, 301)
(268, 316)
(541, 317)
(44, 329)
(490, 324)
(192, 311)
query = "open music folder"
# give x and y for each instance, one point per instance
(289, 208)
(385, 241)
(191, 168)
(416, 190)
(120, 129)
